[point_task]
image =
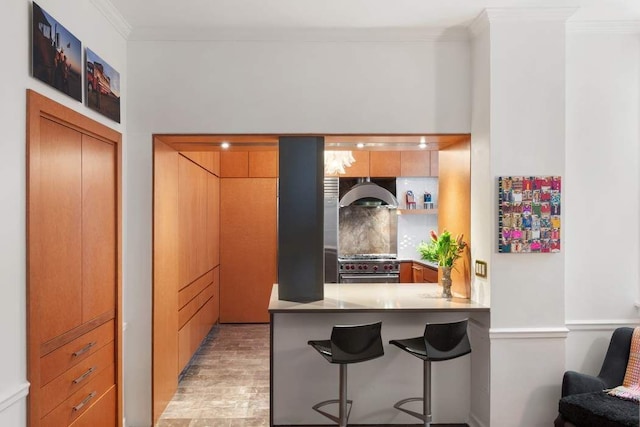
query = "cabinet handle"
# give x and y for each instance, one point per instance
(85, 375)
(84, 349)
(85, 401)
(416, 268)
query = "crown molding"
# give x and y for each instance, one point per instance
(480, 24)
(604, 27)
(114, 16)
(524, 14)
(455, 34)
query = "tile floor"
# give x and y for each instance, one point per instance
(227, 383)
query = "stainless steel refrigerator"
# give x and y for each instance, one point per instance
(331, 194)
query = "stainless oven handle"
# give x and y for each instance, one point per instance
(364, 276)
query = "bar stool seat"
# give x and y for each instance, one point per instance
(348, 344)
(440, 341)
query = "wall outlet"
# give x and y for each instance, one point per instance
(481, 268)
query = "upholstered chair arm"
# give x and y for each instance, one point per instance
(576, 382)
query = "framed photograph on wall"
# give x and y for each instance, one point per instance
(56, 54)
(103, 86)
(529, 214)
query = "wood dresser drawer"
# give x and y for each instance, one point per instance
(71, 354)
(101, 414)
(80, 401)
(72, 380)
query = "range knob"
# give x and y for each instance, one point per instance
(375, 268)
(366, 267)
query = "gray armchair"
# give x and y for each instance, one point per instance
(585, 404)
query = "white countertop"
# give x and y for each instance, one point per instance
(372, 297)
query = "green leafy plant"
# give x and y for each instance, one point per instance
(443, 249)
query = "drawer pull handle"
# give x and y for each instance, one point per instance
(85, 375)
(416, 268)
(85, 401)
(84, 349)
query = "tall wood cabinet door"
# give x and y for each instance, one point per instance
(263, 164)
(213, 220)
(247, 248)
(192, 220)
(98, 227)
(384, 163)
(56, 214)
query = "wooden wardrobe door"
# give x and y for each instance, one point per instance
(248, 248)
(98, 227)
(57, 207)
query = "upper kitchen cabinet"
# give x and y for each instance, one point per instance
(263, 164)
(359, 168)
(209, 160)
(234, 164)
(384, 163)
(249, 164)
(419, 163)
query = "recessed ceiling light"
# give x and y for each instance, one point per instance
(360, 145)
(423, 140)
(225, 145)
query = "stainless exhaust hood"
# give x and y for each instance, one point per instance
(367, 193)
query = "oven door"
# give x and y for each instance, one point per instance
(370, 278)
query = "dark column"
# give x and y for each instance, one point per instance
(300, 219)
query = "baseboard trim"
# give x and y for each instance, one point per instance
(527, 333)
(8, 399)
(601, 325)
(475, 422)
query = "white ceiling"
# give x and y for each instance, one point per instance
(342, 14)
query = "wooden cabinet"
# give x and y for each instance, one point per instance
(419, 163)
(74, 320)
(248, 248)
(186, 263)
(263, 164)
(359, 168)
(393, 163)
(384, 163)
(415, 272)
(249, 164)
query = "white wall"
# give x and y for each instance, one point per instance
(278, 86)
(526, 101)
(91, 27)
(602, 273)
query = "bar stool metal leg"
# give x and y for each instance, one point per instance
(344, 405)
(426, 398)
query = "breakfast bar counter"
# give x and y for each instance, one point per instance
(301, 378)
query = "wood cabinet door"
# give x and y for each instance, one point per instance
(359, 168)
(213, 221)
(415, 163)
(192, 220)
(416, 270)
(263, 164)
(234, 164)
(384, 163)
(406, 273)
(248, 242)
(429, 275)
(55, 225)
(98, 227)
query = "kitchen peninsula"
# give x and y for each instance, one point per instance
(299, 378)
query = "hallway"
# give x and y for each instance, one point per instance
(227, 382)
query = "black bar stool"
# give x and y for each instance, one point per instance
(348, 344)
(441, 341)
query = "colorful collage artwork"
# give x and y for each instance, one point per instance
(529, 214)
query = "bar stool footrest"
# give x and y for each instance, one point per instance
(425, 418)
(332, 417)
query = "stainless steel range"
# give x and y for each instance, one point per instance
(369, 268)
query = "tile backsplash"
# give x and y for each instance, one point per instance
(414, 228)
